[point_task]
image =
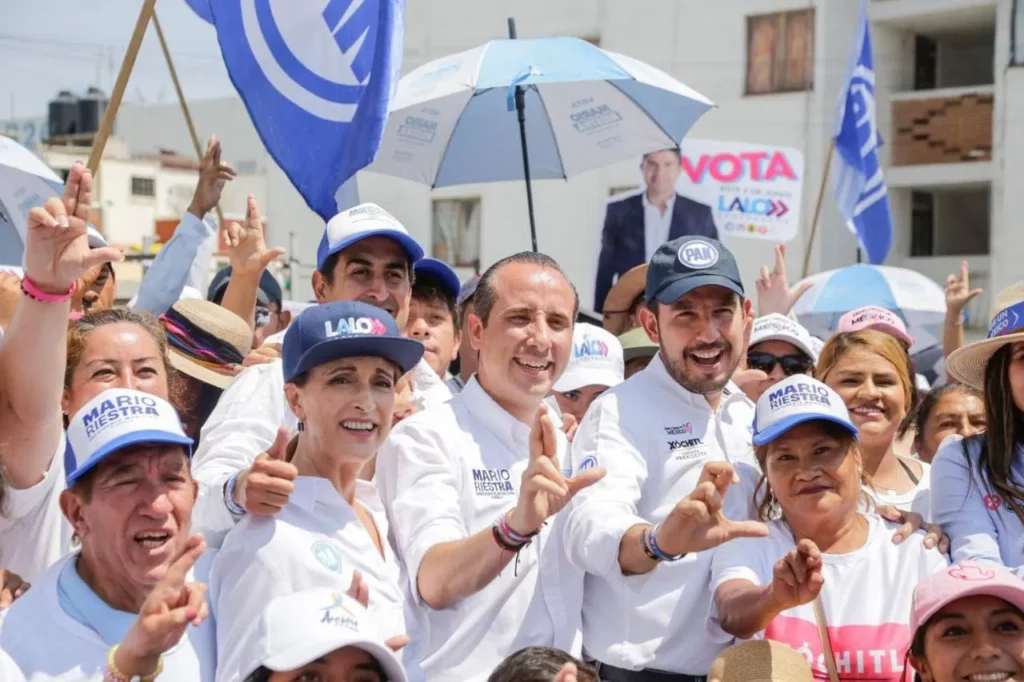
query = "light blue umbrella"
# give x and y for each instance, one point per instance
(531, 109)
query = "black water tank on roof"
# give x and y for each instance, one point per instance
(63, 114)
(90, 110)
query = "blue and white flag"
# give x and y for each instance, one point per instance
(857, 174)
(202, 8)
(316, 77)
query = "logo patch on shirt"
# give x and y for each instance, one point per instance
(327, 555)
(587, 463)
(494, 483)
(680, 430)
(686, 443)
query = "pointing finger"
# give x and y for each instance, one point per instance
(177, 571)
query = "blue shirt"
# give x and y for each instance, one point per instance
(85, 606)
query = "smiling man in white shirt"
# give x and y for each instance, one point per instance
(663, 436)
(476, 484)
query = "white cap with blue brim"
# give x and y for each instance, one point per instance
(795, 400)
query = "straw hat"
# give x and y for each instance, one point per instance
(210, 318)
(760, 661)
(967, 364)
(621, 296)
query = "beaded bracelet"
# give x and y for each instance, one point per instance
(113, 674)
(512, 535)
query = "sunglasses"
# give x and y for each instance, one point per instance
(791, 364)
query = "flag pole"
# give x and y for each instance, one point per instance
(100, 141)
(184, 105)
(521, 114)
(817, 206)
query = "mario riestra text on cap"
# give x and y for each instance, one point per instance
(115, 411)
(798, 394)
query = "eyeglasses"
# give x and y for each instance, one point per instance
(791, 364)
(262, 316)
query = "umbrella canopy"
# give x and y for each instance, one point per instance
(453, 121)
(920, 301)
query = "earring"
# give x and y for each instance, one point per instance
(302, 426)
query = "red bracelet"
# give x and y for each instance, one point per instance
(32, 290)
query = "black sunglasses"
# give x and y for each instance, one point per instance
(791, 364)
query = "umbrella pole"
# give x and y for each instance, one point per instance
(521, 114)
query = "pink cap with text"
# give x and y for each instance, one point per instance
(880, 319)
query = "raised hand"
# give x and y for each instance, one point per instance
(773, 292)
(267, 353)
(11, 587)
(57, 249)
(544, 490)
(265, 488)
(697, 522)
(568, 673)
(797, 576)
(569, 426)
(958, 290)
(170, 607)
(247, 246)
(213, 175)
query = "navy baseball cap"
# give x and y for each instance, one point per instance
(345, 329)
(360, 222)
(269, 290)
(681, 265)
(442, 272)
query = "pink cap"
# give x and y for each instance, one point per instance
(966, 579)
(873, 317)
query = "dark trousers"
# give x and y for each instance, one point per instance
(610, 673)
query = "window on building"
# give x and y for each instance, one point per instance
(926, 61)
(456, 231)
(922, 224)
(143, 187)
(780, 52)
(950, 222)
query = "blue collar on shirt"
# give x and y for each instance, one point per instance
(85, 606)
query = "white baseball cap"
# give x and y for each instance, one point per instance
(596, 359)
(116, 419)
(303, 626)
(360, 222)
(795, 400)
(776, 327)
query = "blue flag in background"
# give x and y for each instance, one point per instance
(316, 78)
(202, 8)
(857, 174)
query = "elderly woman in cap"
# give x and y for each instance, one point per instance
(824, 559)
(968, 624)
(120, 606)
(341, 362)
(978, 482)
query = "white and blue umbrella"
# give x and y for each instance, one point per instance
(918, 300)
(530, 109)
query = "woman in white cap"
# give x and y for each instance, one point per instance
(779, 347)
(978, 482)
(318, 635)
(824, 562)
(595, 365)
(341, 362)
(968, 624)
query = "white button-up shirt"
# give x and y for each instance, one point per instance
(654, 438)
(315, 541)
(657, 225)
(445, 474)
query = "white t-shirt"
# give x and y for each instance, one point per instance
(315, 541)
(981, 526)
(34, 534)
(9, 670)
(866, 598)
(444, 474)
(917, 500)
(48, 644)
(654, 438)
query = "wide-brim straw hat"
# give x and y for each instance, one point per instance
(621, 296)
(967, 364)
(215, 321)
(760, 661)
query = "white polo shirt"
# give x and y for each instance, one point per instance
(244, 424)
(444, 474)
(48, 644)
(9, 670)
(654, 438)
(315, 541)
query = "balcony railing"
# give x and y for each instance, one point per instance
(942, 126)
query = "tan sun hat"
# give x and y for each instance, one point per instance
(760, 661)
(967, 364)
(621, 296)
(205, 341)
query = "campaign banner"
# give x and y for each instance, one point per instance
(755, 191)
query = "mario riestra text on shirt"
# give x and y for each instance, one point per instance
(798, 394)
(493, 482)
(112, 412)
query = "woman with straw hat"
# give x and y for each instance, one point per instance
(978, 482)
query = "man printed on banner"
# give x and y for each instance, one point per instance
(635, 226)
(365, 255)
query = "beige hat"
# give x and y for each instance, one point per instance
(205, 341)
(621, 296)
(760, 661)
(637, 344)
(967, 364)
